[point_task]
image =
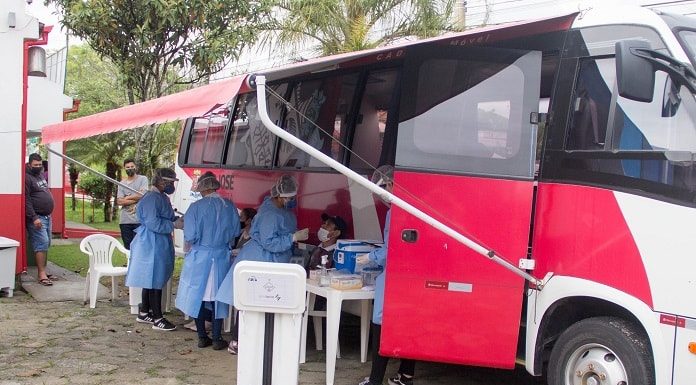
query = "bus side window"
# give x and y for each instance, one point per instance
(250, 144)
(590, 109)
(318, 116)
(207, 140)
(375, 106)
(471, 114)
(215, 140)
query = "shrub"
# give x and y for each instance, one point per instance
(93, 185)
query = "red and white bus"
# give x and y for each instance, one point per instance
(572, 163)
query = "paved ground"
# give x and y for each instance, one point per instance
(64, 342)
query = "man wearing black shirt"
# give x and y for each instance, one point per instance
(38, 208)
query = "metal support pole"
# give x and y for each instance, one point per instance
(268, 349)
(259, 82)
(77, 162)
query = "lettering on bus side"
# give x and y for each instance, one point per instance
(226, 182)
(390, 55)
(471, 40)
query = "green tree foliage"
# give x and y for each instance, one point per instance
(97, 83)
(108, 151)
(350, 25)
(93, 185)
(149, 40)
(160, 46)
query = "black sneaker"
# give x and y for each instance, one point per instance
(219, 344)
(163, 325)
(204, 342)
(400, 379)
(146, 319)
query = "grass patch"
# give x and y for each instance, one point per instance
(90, 213)
(153, 371)
(71, 258)
(183, 377)
(108, 226)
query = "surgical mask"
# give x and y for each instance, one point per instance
(36, 170)
(169, 189)
(291, 204)
(130, 171)
(323, 234)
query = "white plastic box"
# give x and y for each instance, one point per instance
(8, 262)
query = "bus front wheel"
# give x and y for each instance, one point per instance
(601, 350)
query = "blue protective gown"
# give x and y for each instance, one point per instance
(210, 226)
(271, 241)
(379, 256)
(152, 250)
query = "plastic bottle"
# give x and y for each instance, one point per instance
(324, 275)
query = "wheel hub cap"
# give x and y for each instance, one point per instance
(595, 364)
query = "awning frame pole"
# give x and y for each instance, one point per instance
(77, 162)
(259, 81)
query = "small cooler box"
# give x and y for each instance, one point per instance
(347, 250)
(8, 260)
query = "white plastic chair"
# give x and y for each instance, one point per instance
(100, 249)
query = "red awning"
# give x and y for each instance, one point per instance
(182, 105)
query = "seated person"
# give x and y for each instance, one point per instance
(331, 229)
(245, 217)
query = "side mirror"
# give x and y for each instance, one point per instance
(635, 76)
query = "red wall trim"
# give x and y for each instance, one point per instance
(58, 215)
(21, 251)
(12, 209)
(81, 233)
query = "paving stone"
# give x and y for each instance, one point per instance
(65, 342)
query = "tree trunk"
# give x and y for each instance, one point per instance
(144, 139)
(111, 168)
(74, 174)
(116, 208)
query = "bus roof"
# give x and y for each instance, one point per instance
(209, 98)
(471, 37)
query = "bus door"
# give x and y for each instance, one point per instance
(465, 155)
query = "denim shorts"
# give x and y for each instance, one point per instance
(40, 238)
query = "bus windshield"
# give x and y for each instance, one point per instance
(684, 28)
(688, 40)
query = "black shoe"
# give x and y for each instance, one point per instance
(146, 319)
(163, 325)
(204, 342)
(219, 344)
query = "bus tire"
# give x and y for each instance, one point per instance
(601, 350)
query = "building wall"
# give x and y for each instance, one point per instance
(11, 136)
(46, 106)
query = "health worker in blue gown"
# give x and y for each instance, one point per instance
(210, 227)
(273, 231)
(152, 250)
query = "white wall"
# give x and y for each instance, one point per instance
(11, 51)
(45, 104)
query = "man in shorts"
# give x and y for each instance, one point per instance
(38, 208)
